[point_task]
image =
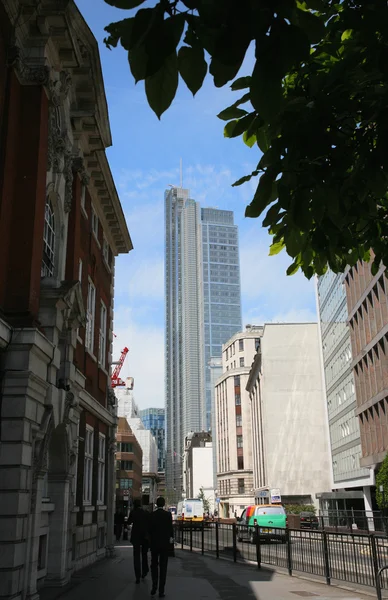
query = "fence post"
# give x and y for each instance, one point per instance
(181, 534)
(375, 566)
(326, 558)
(258, 547)
(217, 541)
(234, 542)
(203, 538)
(191, 536)
(289, 556)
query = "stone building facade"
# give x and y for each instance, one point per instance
(368, 321)
(61, 226)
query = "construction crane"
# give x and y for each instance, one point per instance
(115, 379)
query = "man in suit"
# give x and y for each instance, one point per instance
(161, 536)
(139, 519)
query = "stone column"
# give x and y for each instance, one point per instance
(59, 490)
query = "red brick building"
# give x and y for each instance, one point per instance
(368, 321)
(129, 456)
(61, 226)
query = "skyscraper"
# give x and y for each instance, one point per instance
(153, 419)
(203, 310)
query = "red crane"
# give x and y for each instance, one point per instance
(115, 379)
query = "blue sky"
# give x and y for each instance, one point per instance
(144, 159)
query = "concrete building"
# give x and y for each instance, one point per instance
(198, 467)
(233, 419)
(129, 460)
(61, 226)
(288, 415)
(153, 419)
(215, 365)
(351, 482)
(202, 293)
(129, 409)
(368, 320)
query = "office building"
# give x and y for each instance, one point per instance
(129, 459)
(202, 310)
(368, 320)
(233, 423)
(61, 227)
(351, 482)
(198, 468)
(153, 419)
(290, 443)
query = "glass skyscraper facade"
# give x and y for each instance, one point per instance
(203, 310)
(154, 420)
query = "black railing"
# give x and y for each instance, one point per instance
(352, 557)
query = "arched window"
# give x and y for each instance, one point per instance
(47, 269)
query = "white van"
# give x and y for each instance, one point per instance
(190, 510)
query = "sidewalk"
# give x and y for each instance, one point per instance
(191, 577)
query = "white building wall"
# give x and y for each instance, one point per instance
(296, 449)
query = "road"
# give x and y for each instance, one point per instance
(349, 557)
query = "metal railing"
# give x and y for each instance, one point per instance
(342, 556)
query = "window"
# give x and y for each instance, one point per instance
(257, 344)
(126, 483)
(42, 552)
(88, 465)
(241, 486)
(47, 269)
(94, 223)
(226, 354)
(126, 447)
(234, 348)
(239, 441)
(101, 469)
(240, 463)
(80, 270)
(238, 421)
(90, 316)
(241, 345)
(102, 339)
(241, 361)
(126, 465)
(105, 250)
(83, 197)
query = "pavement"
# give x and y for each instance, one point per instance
(192, 577)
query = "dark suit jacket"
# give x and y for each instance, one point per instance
(161, 529)
(139, 519)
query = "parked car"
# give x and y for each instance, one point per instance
(271, 521)
(308, 520)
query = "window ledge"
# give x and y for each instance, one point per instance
(101, 506)
(83, 211)
(76, 509)
(97, 240)
(107, 265)
(91, 354)
(89, 508)
(80, 340)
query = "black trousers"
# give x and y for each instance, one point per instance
(140, 566)
(159, 560)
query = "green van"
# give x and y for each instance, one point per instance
(271, 520)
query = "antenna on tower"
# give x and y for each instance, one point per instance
(181, 173)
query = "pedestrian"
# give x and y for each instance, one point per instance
(139, 519)
(161, 538)
(119, 522)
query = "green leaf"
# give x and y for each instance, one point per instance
(223, 73)
(161, 87)
(263, 139)
(266, 193)
(245, 179)
(266, 91)
(232, 112)
(249, 139)
(241, 84)
(125, 4)
(347, 34)
(192, 67)
(293, 268)
(237, 127)
(138, 59)
(311, 24)
(273, 215)
(275, 248)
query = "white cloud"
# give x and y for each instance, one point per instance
(145, 359)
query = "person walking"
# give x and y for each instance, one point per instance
(139, 519)
(161, 536)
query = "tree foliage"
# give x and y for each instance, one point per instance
(382, 481)
(205, 501)
(315, 105)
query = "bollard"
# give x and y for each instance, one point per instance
(182, 534)
(289, 556)
(191, 536)
(217, 541)
(234, 542)
(203, 538)
(326, 558)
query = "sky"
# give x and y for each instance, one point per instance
(144, 160)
